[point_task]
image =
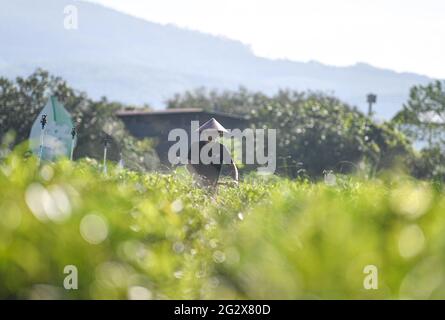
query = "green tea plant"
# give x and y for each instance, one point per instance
(132, 235)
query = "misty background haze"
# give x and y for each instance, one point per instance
(135, 61)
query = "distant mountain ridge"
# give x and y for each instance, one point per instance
(135, 61)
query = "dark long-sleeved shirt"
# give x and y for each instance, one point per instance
(209, 173)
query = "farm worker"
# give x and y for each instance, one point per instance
(206, 158)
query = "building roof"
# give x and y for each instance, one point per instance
(126, 113)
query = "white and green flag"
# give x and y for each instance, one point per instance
(56, 138)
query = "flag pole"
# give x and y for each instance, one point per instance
(121, 161)
(43, 122)
(73, 136)
(106, 142)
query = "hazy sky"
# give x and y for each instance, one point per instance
(403, 35)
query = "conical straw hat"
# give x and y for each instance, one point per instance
(212, 124)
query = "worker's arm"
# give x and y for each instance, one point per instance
(234, 171)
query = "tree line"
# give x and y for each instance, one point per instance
(22, 99)
(316, 132)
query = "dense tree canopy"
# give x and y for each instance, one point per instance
(423, 120)
(315, 132)
(21, 101)
(423, 116)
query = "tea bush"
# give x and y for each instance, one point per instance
(157, 236)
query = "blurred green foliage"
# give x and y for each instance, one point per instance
(157, 236)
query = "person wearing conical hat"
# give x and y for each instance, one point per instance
(207, 170)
